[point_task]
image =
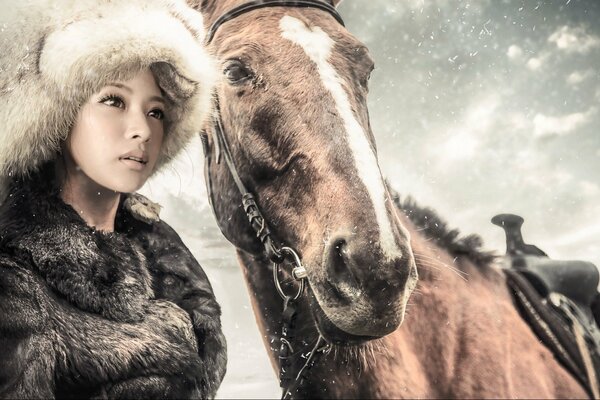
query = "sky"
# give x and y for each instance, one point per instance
(479, 108)
(488, 107)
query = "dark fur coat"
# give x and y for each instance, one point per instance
(84, 313)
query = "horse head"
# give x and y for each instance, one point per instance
(293, 106)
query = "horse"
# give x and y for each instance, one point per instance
(395, 306)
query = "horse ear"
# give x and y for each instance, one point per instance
(336, 2)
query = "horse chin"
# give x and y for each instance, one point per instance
(331, 333)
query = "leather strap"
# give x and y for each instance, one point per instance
(255, 5)
(255, 216)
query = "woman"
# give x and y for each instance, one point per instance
(98, 297)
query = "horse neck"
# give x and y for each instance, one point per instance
(424, 350)
(438, 311)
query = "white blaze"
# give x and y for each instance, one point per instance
(317, 45)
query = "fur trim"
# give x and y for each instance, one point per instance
(55, 55)
(103, 273)
(142, 208)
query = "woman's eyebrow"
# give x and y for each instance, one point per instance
(159, 99)
(120, 86)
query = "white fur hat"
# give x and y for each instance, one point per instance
(54, 54)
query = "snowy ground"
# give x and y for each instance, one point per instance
(249, 373)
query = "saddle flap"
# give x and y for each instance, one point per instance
(558, 324)
(577, 280)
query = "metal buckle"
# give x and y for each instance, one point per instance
(298, 272)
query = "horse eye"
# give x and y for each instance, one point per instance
(236, 72)
(365, 81)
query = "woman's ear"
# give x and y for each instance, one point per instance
(60, 166)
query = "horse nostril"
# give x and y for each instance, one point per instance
(339, 256)
(343, 283)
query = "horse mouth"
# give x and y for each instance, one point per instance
(331, 333)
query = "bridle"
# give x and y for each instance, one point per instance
(288, 381)
(255, 5)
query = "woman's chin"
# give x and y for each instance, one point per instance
(125, 183)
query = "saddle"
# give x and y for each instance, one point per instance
(560, 301)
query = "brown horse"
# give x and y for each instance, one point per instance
(293, 109)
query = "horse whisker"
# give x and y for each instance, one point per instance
(433, 262)
(366, 354)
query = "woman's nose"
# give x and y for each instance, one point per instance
(138, 126)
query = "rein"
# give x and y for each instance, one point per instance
(288, 381)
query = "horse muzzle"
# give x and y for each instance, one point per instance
(359, 291)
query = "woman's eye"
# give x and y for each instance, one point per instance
(113, 101)
(157, 113)
(236, 72)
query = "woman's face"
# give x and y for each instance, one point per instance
(118, 133)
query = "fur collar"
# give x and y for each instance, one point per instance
(103, 273)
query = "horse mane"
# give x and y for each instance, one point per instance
(436, 229)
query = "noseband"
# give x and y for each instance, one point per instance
(278, 255)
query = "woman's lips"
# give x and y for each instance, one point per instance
(134, 164)
(135, 159)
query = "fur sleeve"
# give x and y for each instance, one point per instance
(179, 278)
(23, 316)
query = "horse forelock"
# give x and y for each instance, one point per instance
(318, 46)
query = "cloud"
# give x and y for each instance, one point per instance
(401, 8)
(545, 125)
(514, 52)
(480, 115)
(464, 138)
(461, 145)
(566, 39)
(535, 63)
(590, 189)
(577, 235)
(574, 40)
(517, 121)
(579, 76)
